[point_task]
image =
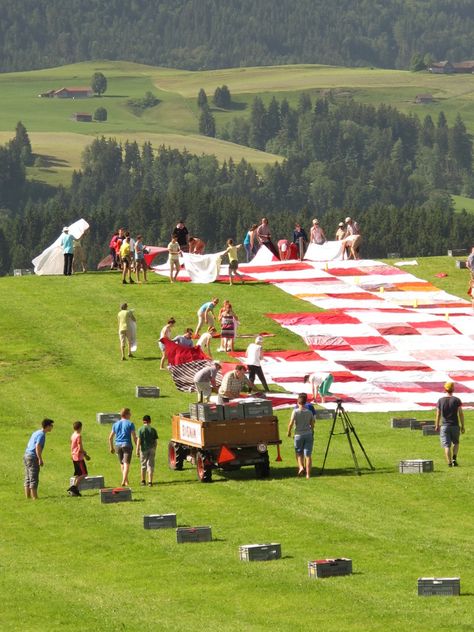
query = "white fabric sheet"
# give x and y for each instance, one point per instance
(330, 251)
(51, 260)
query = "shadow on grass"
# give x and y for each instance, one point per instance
(349, 471)
(148, 358)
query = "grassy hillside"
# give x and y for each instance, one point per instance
(68, 560)
(175, 120)
(465, 203)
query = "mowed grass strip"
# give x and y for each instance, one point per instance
(99, 566)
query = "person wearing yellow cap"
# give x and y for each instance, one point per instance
(450, 415)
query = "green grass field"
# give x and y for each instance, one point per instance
(465, 203)
(69, 563)
(174, 121)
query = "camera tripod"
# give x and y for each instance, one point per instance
(347, 429)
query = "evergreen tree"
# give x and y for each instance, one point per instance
(460, 145)
(258, 116)
(273, 118)
(428, 131)
(21, 145)
(202, 98)
(207, 124)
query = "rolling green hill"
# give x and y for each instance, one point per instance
(174, 121)
(67, 560)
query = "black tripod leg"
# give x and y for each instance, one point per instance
(347, 431)
(331, 432)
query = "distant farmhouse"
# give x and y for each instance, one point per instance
(68, 93)
(82, 117)
(448, 68)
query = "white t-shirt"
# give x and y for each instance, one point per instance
(253, 354)
(204, 340)
(316, 379)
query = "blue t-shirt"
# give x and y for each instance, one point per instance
(38, 437)
(67, 242)
(210, 305)
(123, 432)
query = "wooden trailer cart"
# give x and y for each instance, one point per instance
(227, 444)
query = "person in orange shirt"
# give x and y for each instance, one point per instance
(79, 457)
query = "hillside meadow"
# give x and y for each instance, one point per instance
(70, 562)
(174, 121)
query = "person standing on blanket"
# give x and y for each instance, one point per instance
(205, 314)
(303, 420)
(450, 415)
(254, 357)
(231, 252)
(264, 237)
(250, 242)
(353, 238)
(125, 318)
(227, 304)
(320, 384)
(232, 384)
(205, 380)
(67, 244)
(316, 234)
(146, 449)
(340, 232)
(300, 239)
(227, 323)
(124, 432)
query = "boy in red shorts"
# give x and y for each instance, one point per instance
(79, 457)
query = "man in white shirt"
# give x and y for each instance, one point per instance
(254, 357)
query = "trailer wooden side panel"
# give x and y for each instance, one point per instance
(235, 432)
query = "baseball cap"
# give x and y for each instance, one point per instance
(65, 229)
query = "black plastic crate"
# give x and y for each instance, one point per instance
(261, 408)
(260, 552)
(233, 411)
(107, 418)
(429, 429)
(89, 482)
(402, 422)
(444, 586)
(330, 567)
(115, 495)
(159, 521)
(147, 391)
(207, 412)
(193, 534)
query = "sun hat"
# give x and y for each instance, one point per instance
(315, 221)
(341, 224)
(65, 229)
(348, 219)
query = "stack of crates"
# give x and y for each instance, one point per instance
(415, 466)
(159, 521)
(207, 412)
(444, 586)
(193, 534)
(260, 552)
(330, 567)
(233, 410)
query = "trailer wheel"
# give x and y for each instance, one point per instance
(262, 469)
(203, 467)
(176, 456)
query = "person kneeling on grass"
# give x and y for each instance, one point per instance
(303, 421)
(146, 449)
(79, 457)
(449, 412)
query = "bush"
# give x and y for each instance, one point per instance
(100, 114)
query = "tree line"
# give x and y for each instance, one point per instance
(206, 34)
(148, 190)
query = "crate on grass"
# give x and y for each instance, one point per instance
(418, 424)
(330, 567)
(402, 422)
(193, 534)
(207, 412)
(115, 495)
(429, 429)
(107, 418)
(233, 410)
(257, 408)
(159, 521)
(323, 413)
(147, 391)
(462, 265)
(415, 466)
(444, 586)
(260, 552)
(89, 482)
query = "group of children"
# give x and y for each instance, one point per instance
(128, 254)
(123, 431)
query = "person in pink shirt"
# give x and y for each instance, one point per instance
(79, 457)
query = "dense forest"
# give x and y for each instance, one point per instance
(388, 170)
(206, 34)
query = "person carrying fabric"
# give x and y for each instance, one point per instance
(124, 317)
(264, 237)
(205, 314)
(196, 246)
(250, 242)
(67, 244)
(165, 333)
(231, 252)
(316, 234)
(300, 239)
(303, 421)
